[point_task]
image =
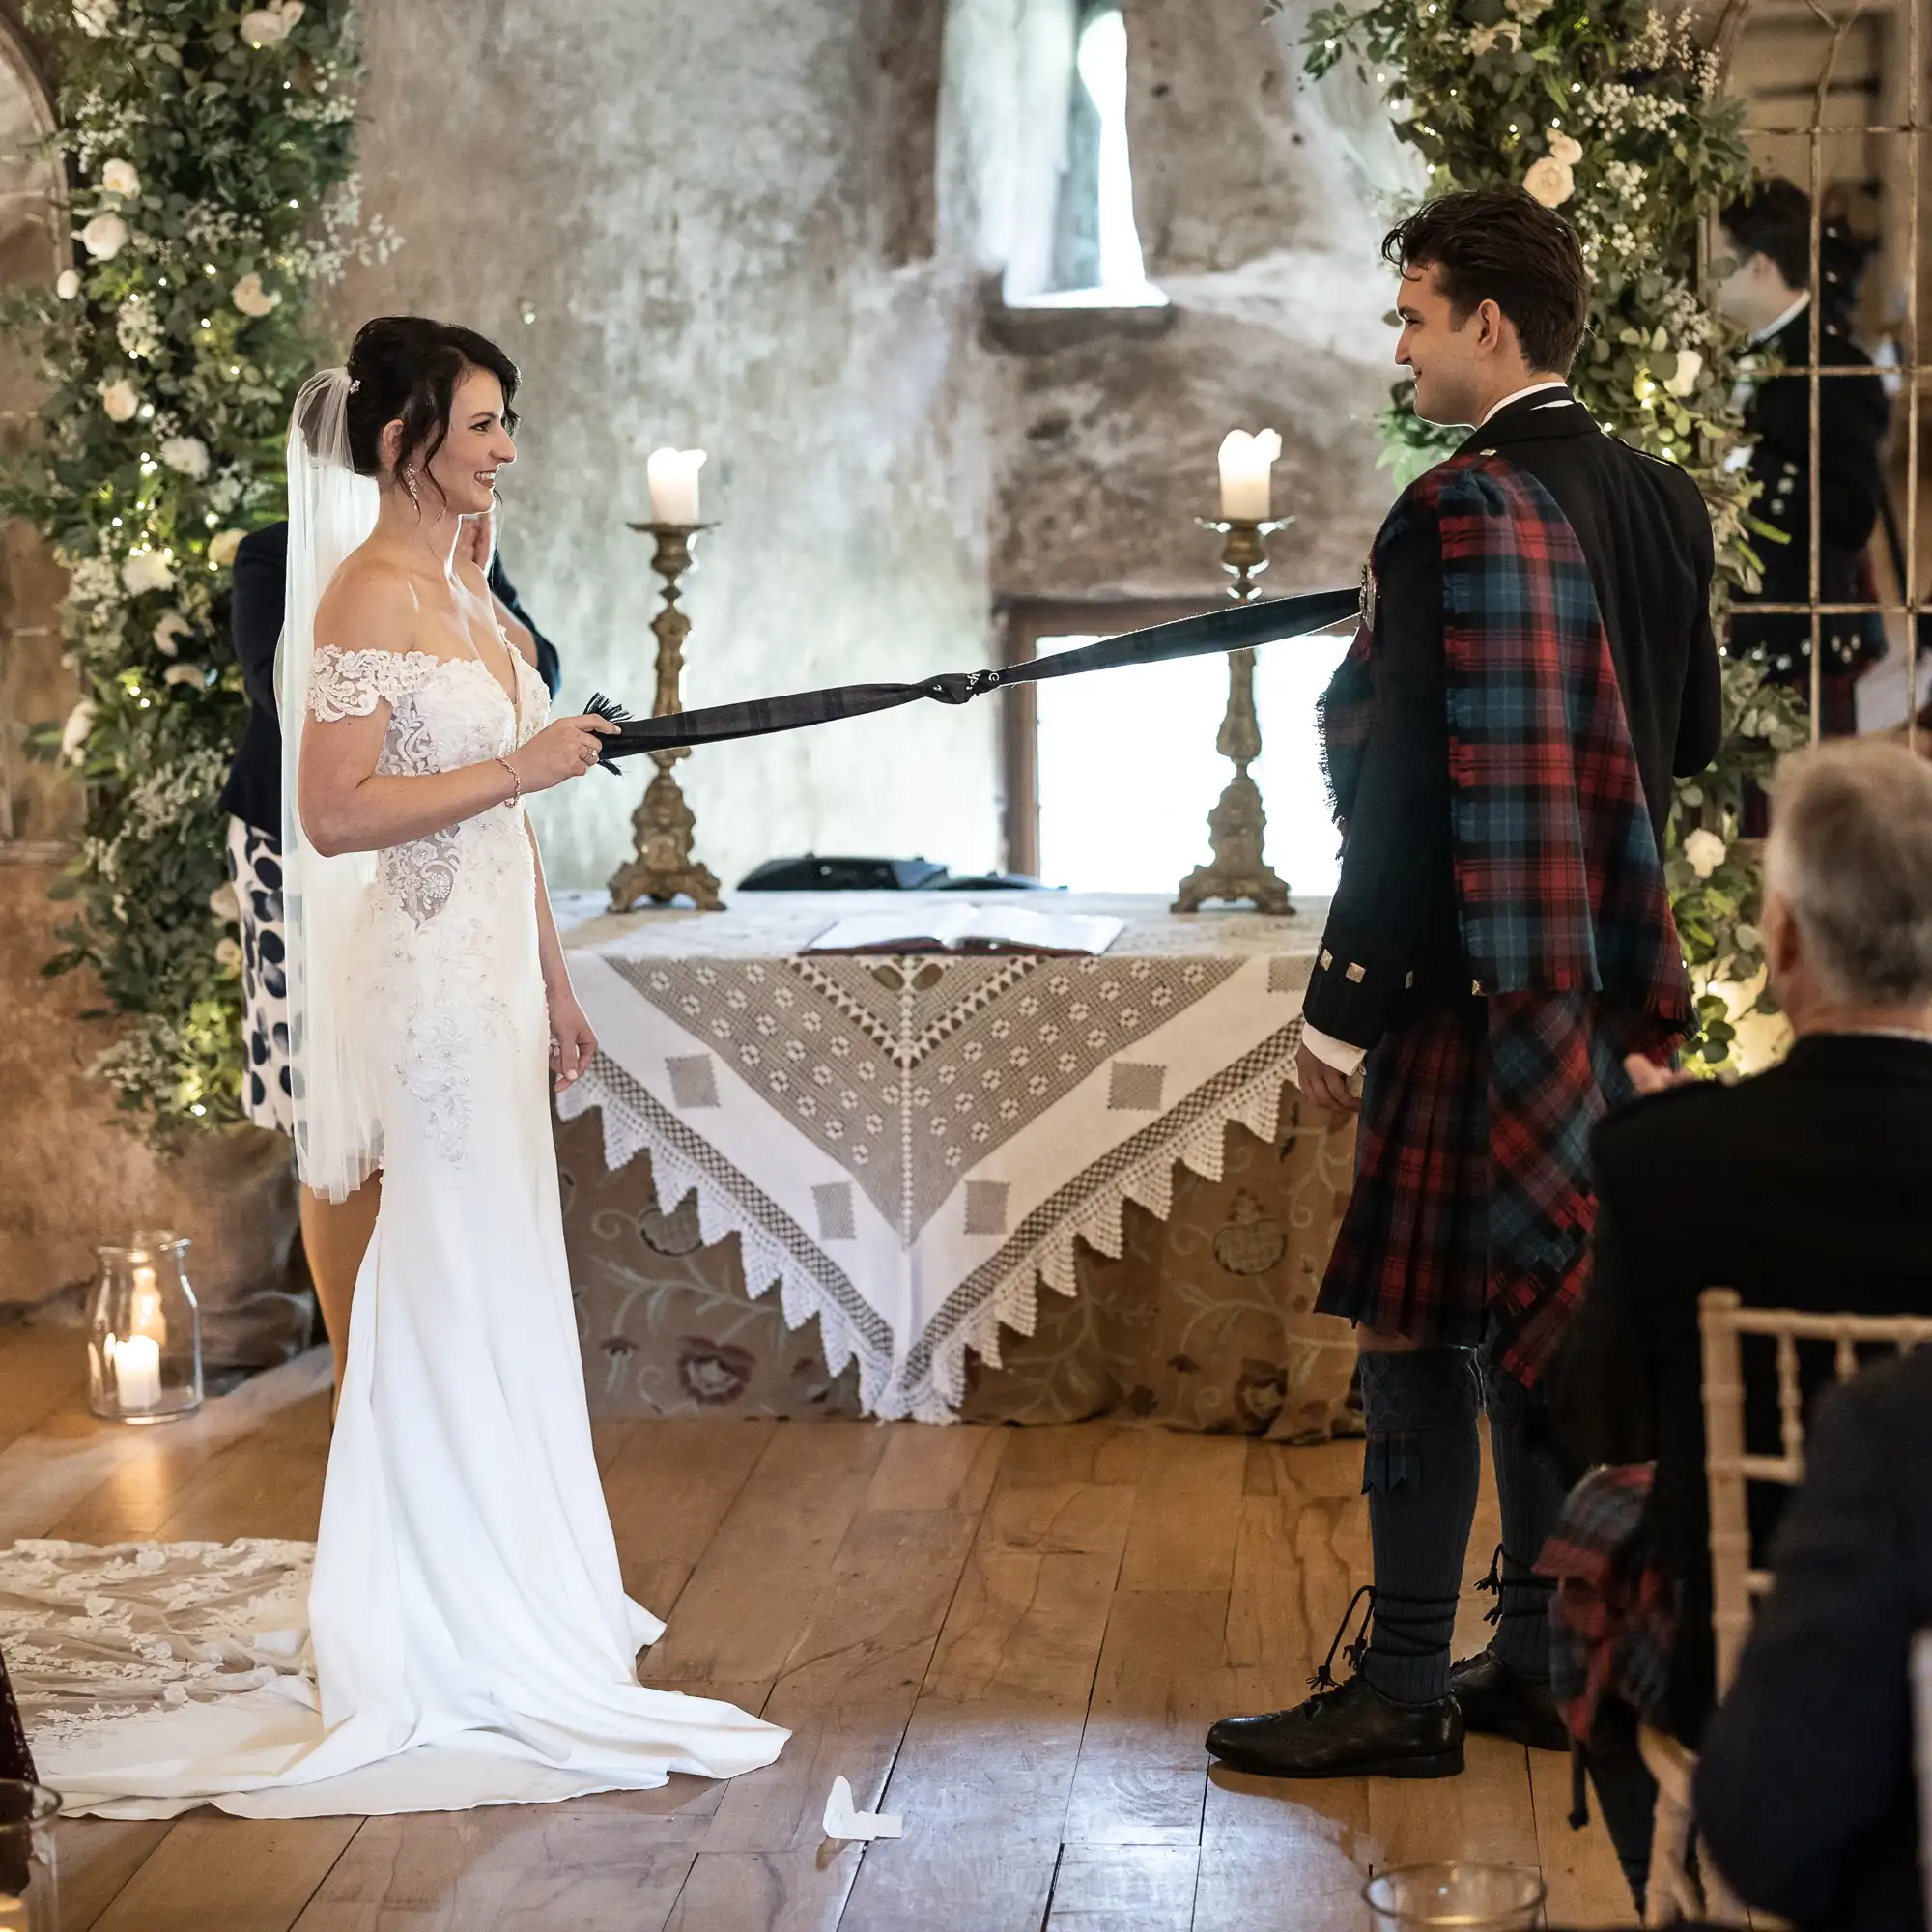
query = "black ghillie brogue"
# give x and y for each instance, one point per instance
(1497, 1699)
(1345, 1730)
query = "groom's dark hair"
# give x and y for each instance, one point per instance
(1501, 245)
(405, 368)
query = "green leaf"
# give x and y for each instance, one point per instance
(201, 125)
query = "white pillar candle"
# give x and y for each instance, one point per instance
(137, 1373)
(673, 480)
(147, 1317)
(1247, 493)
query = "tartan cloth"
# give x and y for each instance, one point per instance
(1267, 620)
(1472, 1202)
(1613, 1619)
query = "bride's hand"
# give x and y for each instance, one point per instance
(564, 750)
(571, 1039)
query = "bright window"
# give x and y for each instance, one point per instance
(1093, 258)
(1128, 770)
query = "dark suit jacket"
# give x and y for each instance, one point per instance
(1853, 414)
(1805, 1789)
(1804, 1187)
(253, 792)
(1643, 529)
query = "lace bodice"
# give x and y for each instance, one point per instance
(444, 713)
(447, 970)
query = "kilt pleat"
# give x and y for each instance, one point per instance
(1473, 1200)
(1411, 1254)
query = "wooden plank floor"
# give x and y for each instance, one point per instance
(1016, 1637)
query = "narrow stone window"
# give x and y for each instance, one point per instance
(1094, 256)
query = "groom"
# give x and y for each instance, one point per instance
(1535, 660)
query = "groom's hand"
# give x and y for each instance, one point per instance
(1327, 1086)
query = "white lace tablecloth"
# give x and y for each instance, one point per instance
(906, 1146)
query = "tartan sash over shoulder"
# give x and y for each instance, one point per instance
(1557, 873)
(1564, 919)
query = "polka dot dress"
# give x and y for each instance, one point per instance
(255, 866)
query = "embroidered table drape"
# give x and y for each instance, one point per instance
(907, 1146)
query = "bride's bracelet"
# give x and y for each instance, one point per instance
(516, 784)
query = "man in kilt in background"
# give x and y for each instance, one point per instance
(1535, 660)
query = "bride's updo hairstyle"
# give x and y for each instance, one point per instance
(405, 368)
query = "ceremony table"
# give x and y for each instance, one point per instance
(907, 1147)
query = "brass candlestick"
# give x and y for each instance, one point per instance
(1236, 825)
(662, 826)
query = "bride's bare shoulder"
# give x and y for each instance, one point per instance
(370, 605)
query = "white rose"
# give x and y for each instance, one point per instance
(223, 903)
(252, 299)
(169, 631)
(185, 674)
(1684, 378)
(228, 953)
(74, 733)
(266, 26)
(146, 570)
(188, 454)
(104, 236)
(120, 177)
(1563, 148)
(95, 18)
(68, 285)
(119, 399)
(1549, 181)
(1705, 851)
(221, 549)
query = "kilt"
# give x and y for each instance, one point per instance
(1412, 1257)
(1472, 1206)
(1614, 1620)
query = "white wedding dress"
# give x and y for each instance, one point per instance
(468, 1638)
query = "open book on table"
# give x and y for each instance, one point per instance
(969, 928)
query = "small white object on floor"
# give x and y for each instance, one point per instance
(843, 1820)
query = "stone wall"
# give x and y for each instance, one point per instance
(777, 233)
(711, 212)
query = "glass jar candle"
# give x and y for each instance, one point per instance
(1471, 1897)
(28, 1876)
(143, 1333)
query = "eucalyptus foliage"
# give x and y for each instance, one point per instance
(208, 153)
(1610, 111)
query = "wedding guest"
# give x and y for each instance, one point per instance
(334, 1234)
(1804, 1790)
(1768, 236)
(1543, 598)
(1803, 1188)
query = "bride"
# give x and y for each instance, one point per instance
(472, 1641)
